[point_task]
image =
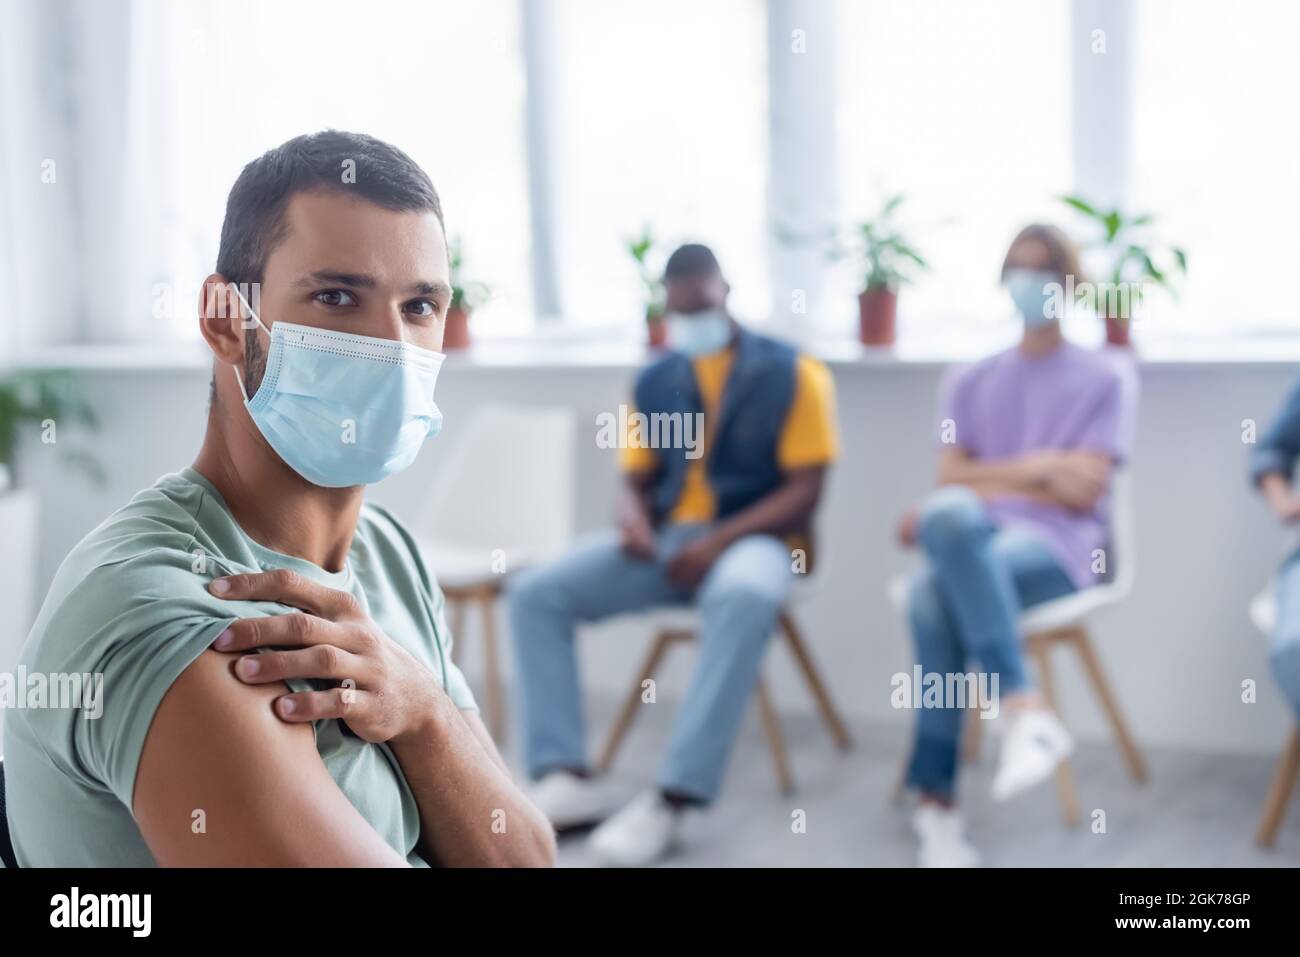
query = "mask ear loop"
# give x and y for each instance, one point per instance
(256, 318)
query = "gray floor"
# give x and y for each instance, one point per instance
(1197, 809)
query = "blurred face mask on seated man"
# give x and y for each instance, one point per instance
(699, 333)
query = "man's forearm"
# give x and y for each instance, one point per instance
(788, 509)
(472, 814)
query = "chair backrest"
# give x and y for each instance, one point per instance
(1123, 531)
(508, 482)
(6, 846)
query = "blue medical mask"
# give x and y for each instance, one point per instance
(699, 333)
(343, 409)
(1032, 290)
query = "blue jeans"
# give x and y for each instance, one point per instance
(738, 603)
(964, 605)
(1285, 652)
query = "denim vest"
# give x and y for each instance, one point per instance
(742, 457)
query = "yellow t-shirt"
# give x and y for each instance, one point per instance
(809, 436)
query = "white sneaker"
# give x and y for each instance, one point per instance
(942, 842)
(1033, 744)
(640, 834)
(570, 801)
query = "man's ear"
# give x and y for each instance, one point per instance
(222, 319)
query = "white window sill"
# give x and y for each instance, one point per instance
(573, 352)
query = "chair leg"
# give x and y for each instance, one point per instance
(900, 784)
(1092, 667)
(775, 740)
(633, 701)
(803, 658)
(1064, 772)
(495, 694)
(1279, 792)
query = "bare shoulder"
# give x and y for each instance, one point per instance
(223, 781)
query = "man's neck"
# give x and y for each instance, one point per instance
(273, 504)
(1042, 340)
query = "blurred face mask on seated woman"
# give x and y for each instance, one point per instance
(342, 409)
(1033, 291)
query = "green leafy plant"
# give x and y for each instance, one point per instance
(465, 296)
(888, 257)
(38, 399)
(640, 248)
(1137, 261)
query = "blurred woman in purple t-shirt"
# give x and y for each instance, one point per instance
(1028, 441)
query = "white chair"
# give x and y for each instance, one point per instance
(1263, 614)
(502, 499)
(1063, 621)
(672, 625)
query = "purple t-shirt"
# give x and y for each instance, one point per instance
(1009, 404)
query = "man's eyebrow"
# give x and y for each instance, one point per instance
(362, 281)
(426, 288)
(356, 280)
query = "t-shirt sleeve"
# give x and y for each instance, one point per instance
(1110, 425)
(810, 435)
(955, 424)
(127, 631)
(634, 455)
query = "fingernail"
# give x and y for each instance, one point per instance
(225, 639)
(249, 666)
(286, 705)
(220, 586)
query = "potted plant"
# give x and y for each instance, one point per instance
(640, 248)
(888, 260)
(465, 297)
(36, 404)
(1137, 263)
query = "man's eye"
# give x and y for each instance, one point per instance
(335, 297)
(423, 307)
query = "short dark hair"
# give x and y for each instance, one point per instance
(254, 224)
(691, 260)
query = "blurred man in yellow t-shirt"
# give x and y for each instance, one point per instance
(726, 448)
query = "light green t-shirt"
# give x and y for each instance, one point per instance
(131, 603)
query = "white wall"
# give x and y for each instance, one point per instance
(1177, 651)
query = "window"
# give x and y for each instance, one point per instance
(962, 107)
(1215, 143)
(664, 123)
(440, 79)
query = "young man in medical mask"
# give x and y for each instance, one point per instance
(1028, 441)
(279, 685)
(719, 519)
